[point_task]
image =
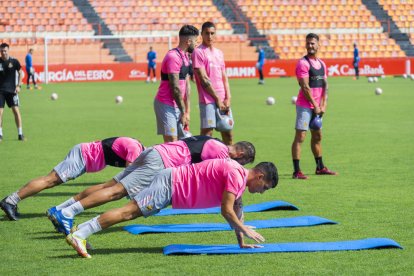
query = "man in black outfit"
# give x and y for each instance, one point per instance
(9, 68)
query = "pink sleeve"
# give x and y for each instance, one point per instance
(127, 148)
(302, 69)
(234, 182)
(214, 149)
(198, 58)
(173, 62)
(133, 152)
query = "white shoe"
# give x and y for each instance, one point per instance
(79, 245)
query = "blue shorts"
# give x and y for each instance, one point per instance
(157, 196)
(73, 165)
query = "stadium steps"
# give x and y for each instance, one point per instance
(234, 15)
(402, 39)
(100, 28)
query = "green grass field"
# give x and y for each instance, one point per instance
(368, 139)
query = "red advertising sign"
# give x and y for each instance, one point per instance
(234, 69)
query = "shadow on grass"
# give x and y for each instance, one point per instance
(51, 235)
(111, 251)
(56, 194)
(84, 184)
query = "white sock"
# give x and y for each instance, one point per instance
(13, 199)
(88, 228)
(1, 131)
(65, 204)
(20, 130)
(72, 210)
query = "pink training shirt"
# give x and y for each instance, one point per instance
(302, 71)
(212, 60)
(202, 185)
(177, 153)
(171, 64)
(126, 148)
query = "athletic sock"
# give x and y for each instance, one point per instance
(71, 211)
(65, 204)
(319, 163)
(296, 165)
(13, 199)
(20, 130)
(88, 228)
(1, 131)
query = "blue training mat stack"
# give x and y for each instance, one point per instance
(185, 249)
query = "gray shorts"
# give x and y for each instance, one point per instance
(157, 196)
(208, 115)
(167, 118)
(141, 172)
(73, 165)
(303, 117)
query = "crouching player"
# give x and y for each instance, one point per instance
(82, 158)
(207, 184)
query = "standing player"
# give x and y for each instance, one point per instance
(30, 69)
(356, 61)
(152, 64)
(10, 73)
(212, 83)
(171, 102)
(260, 63)
(312, 101)
(85, 157)
(140, 174)
(211, 183)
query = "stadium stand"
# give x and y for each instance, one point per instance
(340, 23)
(402, 12)
(281, 23)
(56, 16)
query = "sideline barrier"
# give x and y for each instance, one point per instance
(235, 69)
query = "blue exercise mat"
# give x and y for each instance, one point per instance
(208, 227)
(265, 206)
(372, 243)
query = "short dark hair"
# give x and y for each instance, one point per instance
(270, 172)
(207, 25)
(188, 30)
(312, 35)
(249, 152)
(4, 45)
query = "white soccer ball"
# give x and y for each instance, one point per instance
(294, 99)
(375, 79)
(119, 99)
(270, 100)
(412, 77)
(378, 91)
(404, 76)
(370, 79)
(54, 96)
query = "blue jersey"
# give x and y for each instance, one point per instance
(356, 55)
(151, 56)
(28, 62)
(261, 58)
